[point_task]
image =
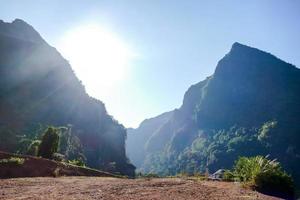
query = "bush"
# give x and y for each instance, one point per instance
(277, 183)
(228, 175)
(49, 144)
(264, 175)
(13, 160)
(77, 163)
(246, 169)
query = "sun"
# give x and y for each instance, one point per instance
(98, 56)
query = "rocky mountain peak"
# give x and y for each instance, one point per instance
(19, 29)
(243, 60)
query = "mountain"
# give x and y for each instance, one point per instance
(39, 88)
(249, 106)
(137, 146)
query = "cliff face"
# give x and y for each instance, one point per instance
(38, 86)
(249, 106)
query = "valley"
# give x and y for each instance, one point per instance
(215, 116)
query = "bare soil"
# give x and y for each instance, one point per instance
(129, 189)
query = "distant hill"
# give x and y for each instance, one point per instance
(39, 88)
(249, 106)
(137, 146)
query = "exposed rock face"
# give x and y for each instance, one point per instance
(38, 86)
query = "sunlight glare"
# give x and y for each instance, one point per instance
(98, 57)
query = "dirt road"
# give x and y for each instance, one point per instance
(116, 189)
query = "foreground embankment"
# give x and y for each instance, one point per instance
(16, 166)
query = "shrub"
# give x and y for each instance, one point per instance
(49, 144)
(77, 163)
(228, 175)
(13, 160)
(265, 175)
(246, 169)
(277, 183)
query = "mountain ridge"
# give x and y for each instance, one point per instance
(20, 29)
(249, 106)
(39, 88)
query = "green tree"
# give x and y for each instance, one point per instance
(49, 144)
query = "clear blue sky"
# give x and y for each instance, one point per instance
(178, 42)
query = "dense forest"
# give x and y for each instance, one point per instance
(38, 88)
(250, 106)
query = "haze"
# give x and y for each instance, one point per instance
(152, 51)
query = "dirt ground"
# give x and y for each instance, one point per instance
(41, 167)
(113, 188)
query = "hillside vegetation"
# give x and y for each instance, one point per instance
(38, 88)
(250, 106)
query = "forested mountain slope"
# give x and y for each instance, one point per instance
(39, 88)
(249, 106)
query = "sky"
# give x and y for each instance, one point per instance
(153, 50)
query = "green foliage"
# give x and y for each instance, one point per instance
(264, 174)
(228, 176)
(265, 130)
(249, 106)
(34, 148)
(275, 182)
(13, 161)
(247, 168)
(23, 145)
(217, 149)
(49, 144)
(77, 163)
(49, 93)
